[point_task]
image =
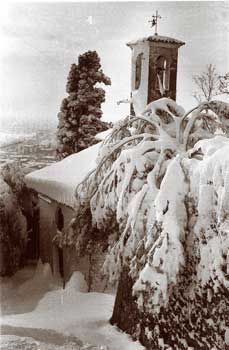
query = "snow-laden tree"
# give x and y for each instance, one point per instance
(15, 207)
(13, 236)
(80, 112)
(13, 174)
(159, 195)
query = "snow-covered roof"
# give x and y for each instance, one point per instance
(157, 38)
(59, 180)
(102, 135)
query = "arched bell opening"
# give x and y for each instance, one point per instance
(163, 75)
(138, 71)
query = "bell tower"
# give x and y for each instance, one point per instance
(154, 68)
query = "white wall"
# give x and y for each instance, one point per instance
(140, 96)
(49, 251)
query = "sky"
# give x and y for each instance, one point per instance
(39, 42)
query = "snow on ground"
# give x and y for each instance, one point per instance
(59, 180)
(9, 139)
(38, 314)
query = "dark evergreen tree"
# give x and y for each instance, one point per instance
(80, 112)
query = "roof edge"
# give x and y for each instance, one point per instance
(157, 38)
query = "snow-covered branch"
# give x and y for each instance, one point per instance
(144, 184)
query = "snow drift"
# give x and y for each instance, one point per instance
(51, 317)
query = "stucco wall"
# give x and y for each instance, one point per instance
(140, 95)
(89, 266)
(47, 230)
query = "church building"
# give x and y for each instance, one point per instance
(153, 68)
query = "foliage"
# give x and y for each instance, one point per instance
(12, 231)
(209, 84)
(224, 84)
(142, 154)
(13, 221)
(12, 173)
(80, 112)
(162, 178)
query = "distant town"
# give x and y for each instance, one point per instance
(34, 150)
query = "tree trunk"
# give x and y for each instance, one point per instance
(125, 314)
(181, 324)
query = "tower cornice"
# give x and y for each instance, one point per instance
(156, 39)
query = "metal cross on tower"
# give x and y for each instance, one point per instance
(154, 21)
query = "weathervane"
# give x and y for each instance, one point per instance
(154, 21)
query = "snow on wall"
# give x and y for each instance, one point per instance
(58, 181)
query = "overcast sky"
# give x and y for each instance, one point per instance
(38, 43)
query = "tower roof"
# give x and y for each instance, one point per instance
(157, 38)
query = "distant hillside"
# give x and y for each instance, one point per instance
(7, 139)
